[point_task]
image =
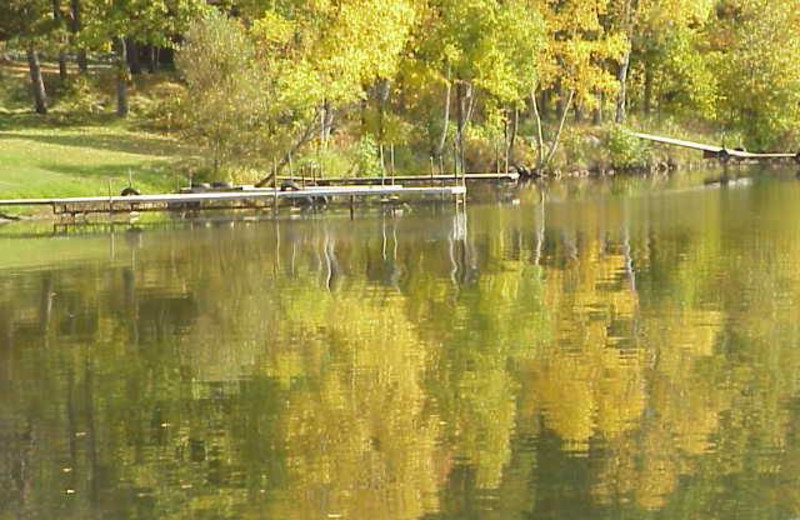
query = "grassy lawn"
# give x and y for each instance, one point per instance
(83, 160)
(61, 155)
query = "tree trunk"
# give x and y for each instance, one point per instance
(153, 54)
(537, 115)
(62, 55)
(134, 62)
(383, 97)
(460, 117)
(37, 82)
(560, 102)
(151, 59)
(557, 139)
(543, 106)
(77, 25)
(304, 138)
(623, 81)
(512, 139)
(446, 126)
(597, 119)
(326, 122)
(648, 90)
(465, 102)
(122, 76)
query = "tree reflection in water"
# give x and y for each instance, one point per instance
(628, 354)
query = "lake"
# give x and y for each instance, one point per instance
(623, 348)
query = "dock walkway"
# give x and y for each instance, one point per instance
(718, 152)
(405, 179)
(248, 198)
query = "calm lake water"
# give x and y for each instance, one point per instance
(628, 349)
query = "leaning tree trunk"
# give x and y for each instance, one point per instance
(77, 25)
(37, 82)
(122, 76)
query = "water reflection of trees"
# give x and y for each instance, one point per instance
(390, 368)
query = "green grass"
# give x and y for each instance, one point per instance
(71, 152)
(47, 161)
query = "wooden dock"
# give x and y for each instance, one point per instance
(719, 152)
(252, 198)
(404, 179)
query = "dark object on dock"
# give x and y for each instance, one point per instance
(526, 174)
(307, 201)
(719, 152)
(129, 192)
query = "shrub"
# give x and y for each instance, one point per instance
(625, 150)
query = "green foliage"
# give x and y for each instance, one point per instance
(626, 151)
(367, 157)
(760, 71)
(426, 73)
(81, 97)
(224, 108)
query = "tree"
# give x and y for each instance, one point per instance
(573, 63)
(226, 93)
(29, 23)
(116, 21)
(759, 73)
(668, 51)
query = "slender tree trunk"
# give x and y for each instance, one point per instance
(383, 97)
(304, 138)
(37, 82)
(122, 76)
(597, 119)
(446, 125)
(560, 110)
(153, 54)
(460, 117)
(62, 55)
(554, 144)
(623, 82)
(77, 25)
(465, 102)
(539, 133)
(648, 90)
(134, 62)
(151, 59)
(544, 104)
(363, 107)
(512, 140)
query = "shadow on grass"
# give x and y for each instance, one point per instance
(162, 176)
(26, 120)
(123, 143)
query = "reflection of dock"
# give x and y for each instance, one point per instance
(251, 198)
(719, 152)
